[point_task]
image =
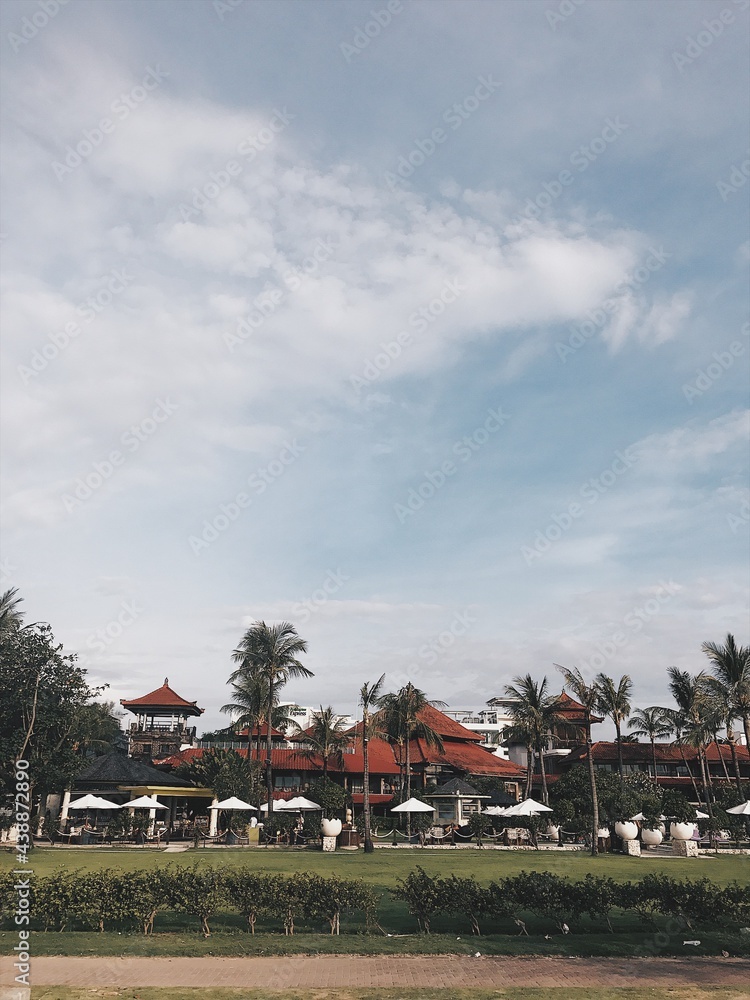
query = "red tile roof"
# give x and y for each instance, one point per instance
(605, 752)
(446, 727)
(381, 760)
(465, 757)
(276, 734)
(572, 710)
(163, 697)
(376, 799)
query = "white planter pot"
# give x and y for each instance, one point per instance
(651, 838)
(330, 827)
(554, 832)
(603, 832)
(627, 831)
(682, 831)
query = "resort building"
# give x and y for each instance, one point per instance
(161, 727)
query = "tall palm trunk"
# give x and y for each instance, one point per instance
(746, 726)
(408, 787)
(689, 771)
(594, 795)
(721, 755)
(366, 788)
(706, 779)
(735, 762)
(529, 770)
(620, 765)
(269, 768)
(545, 794)
(653, 758)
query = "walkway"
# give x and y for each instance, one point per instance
(332, 971)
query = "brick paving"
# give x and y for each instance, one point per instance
(331, 971)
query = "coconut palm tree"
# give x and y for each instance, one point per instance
(723, 710)
(271, 651)
(652, 723)
(536, 710)
(399, 719)
(697, 734)
(614, 701)
(689, 692)
(588, 695)
(326, 738)
(10, 614)
(368, 699)
(730, 666)
(249, 708)
(676, 721)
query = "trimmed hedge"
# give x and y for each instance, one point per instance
(104, 900)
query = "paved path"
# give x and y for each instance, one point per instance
(331, 971)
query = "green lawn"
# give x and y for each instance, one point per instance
(177, 934)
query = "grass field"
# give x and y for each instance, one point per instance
(400, 993)
(177, 934)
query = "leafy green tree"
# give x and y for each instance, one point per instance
(11, 615)
(197, 891)
(251, 892)
(424, 896)
(466, 897)
(688, 691)
(614, 701)
(226, 773)
(332, 797)
(368, 699)
(479, 825)
(730, 666)
(270, 651)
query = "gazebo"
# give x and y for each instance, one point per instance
(455, 802)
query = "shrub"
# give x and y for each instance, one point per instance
(423, 896)
(55, 899)
(144, 893)
(479, 824)
(544, 894)
(197, 891)
(469, 899)
(99, 897)
(250, 892)
(597, 896)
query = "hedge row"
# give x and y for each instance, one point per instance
(104, 899)
(558, 899)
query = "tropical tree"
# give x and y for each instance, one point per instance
(730, 666)
(519, 733)
(614, 702)
(400, 721)
(249, 708)
(326, 738)
(536, 711)
(271, 651)
(588, 695)
(689, 719)
(368, 699)
(653, 723)
(11, 615)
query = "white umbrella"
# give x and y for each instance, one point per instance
(93, 802)
(639, 817)
(743, 809)
(528, 807)
(495, 811)
(413, 806)
(700, 815)
(144, 802)
(233, 803)
(298, 804)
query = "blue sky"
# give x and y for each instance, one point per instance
(427, 331)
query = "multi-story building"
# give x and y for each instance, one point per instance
(490, 723)
(161, 727)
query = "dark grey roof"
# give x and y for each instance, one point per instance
(456, 786)
(115, 769)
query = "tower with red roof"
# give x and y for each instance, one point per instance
(161, 726)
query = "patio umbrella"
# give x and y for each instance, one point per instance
(93, 802)
(700, 815)
(639, 817)
(413, 806)
(144, 802)
(298, 804)
(743, 809)
(529, 807)
(233, 803)
(495, 811)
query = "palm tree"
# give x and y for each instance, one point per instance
(697, 733)
(724, 712)
(270, 651)
(249, 709)
(653, 723)
(588, 695)
(400, 720)
(326, 738)
(10, 614)
(536, 710)
(730, 666)
(676, 722)
(520, 733)
(614, 701)
(368, 698)
(689, 692)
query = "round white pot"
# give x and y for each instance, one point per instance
(682, 831)
(603, 832)
(330, 827)
(628, 830)
(662, 829)
(651, 838)
(554, 832)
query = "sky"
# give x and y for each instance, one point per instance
(421, 325)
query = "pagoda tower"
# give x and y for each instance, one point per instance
(161, 726)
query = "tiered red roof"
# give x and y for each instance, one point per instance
(573, 711)
(162, 697)
(465, 757)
